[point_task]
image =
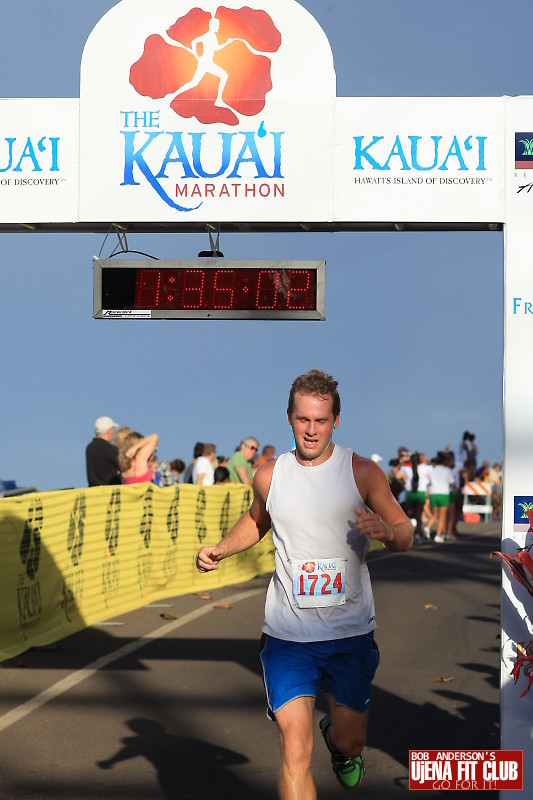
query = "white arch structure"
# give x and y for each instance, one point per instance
(304, 160)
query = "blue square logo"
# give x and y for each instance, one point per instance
(523, 150)
(522, 504)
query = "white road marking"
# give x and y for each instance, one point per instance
(62, 686)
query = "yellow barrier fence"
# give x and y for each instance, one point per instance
(71, 558)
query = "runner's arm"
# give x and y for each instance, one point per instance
(386, 522)
(249, 529)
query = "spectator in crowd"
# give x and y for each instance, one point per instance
(494, 479)
(221, 475)
(153, 463)
(203, 472)
(417, 477)
(268, 454)
(456, 498)
(221, 461)
(120, 435)
(239, 465)
(376, 458)
(134, 456)
(441, 484)
(396, 481)
(483, 471)
(102, 456)
(494, 475)
(197, 452)
(402, 478)
(468, 454)
(171, 471)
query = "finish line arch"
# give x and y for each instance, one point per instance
(368, 164)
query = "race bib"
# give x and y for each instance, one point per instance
(318, 582)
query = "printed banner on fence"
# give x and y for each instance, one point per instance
(72, 558)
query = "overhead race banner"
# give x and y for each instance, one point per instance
(228, 113)
(72, 558)
(210, 112)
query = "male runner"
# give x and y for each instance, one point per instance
(324, 504)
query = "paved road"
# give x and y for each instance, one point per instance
(151, 708)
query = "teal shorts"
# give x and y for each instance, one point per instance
(343, 668)
(439, 500)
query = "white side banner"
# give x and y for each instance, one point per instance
(517, 603)
(39, 152)
(419, 159)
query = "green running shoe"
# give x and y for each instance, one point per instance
(349, 771)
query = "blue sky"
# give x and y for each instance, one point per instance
(414, 321)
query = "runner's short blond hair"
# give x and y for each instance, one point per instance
(317, 383)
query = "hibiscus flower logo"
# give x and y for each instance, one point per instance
(214, 67)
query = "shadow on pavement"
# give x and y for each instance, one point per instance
(186, 767)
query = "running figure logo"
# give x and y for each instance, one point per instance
(206, 65)
(214, 67)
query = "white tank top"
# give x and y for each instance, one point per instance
(312, 510)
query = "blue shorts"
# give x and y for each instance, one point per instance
(343, 668)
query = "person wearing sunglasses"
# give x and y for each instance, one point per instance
(240, 463)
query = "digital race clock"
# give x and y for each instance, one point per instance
(219, 289)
